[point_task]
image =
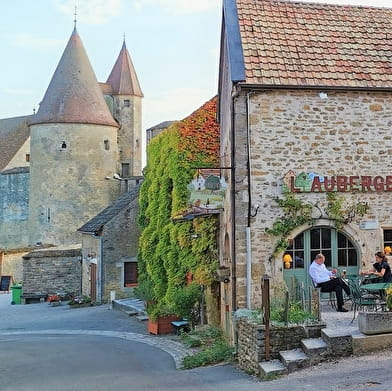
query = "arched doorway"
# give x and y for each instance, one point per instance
(338, 249)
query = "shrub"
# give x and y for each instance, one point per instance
(212, 344)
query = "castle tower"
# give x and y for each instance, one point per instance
(127, 101)
(73, 149)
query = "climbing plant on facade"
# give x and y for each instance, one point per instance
(296, 213)
(168, 251)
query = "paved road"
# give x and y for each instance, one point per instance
(49, 348)
(61, 349)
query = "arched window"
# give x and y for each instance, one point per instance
(338, 249)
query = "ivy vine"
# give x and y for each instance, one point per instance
(341, 213)
(296, 213)
(168, 250)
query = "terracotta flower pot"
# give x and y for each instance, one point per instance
(162, 324)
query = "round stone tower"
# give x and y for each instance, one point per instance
(73, 152)
(127, 109)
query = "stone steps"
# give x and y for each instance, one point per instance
(312, 352)
(133, 307)
(316, 349)
(294, 359)
(271, 369)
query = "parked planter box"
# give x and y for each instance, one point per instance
(370, 323)
(162, 325)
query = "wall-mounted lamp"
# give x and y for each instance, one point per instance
(287, 260)
(115, 176)
(223, 274)
(254, 209)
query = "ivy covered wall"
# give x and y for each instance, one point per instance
(177, 257)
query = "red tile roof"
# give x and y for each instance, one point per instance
(309, 44)
(123, 78)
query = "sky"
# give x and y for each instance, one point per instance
(174, 46)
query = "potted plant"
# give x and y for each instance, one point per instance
(144, 291)
(160, 317)
(388, 298)
(186, 302)
(377, 322)
(82, 301)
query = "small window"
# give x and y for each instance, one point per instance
(27, 157)
(125, 170)
(63, 145)
(106, 145)
(126, 103)
(130, 274)
(387, 238)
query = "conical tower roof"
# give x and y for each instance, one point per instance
(123, 77)
(74, 95)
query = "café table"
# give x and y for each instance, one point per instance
(376, 288)
(368, 279)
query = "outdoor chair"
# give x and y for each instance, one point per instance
(332, 297)
(361, 300)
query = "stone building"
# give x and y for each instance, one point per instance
(157, 129)
(109, 245)
(305, 111)
(58, 167)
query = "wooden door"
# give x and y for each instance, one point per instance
(93, 282)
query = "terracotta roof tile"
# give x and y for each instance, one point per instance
(313, 44)
(123, 78)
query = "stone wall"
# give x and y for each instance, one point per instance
(14, 209)
(11, 264)
(119, 248)
(59, 205)
(49, 271)
(251, 341)
(130, 132)
(337, 133)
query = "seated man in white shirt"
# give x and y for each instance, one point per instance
(327, 280)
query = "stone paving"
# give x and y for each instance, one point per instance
(42, 318)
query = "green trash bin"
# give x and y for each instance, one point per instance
(16, 294)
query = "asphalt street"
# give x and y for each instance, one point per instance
(96, 348)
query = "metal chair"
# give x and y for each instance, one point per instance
(359, 299)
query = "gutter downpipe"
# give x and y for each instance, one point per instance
(248, 230)
(233, 209)
(100, 271)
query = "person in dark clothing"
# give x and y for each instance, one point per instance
(381, 267)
